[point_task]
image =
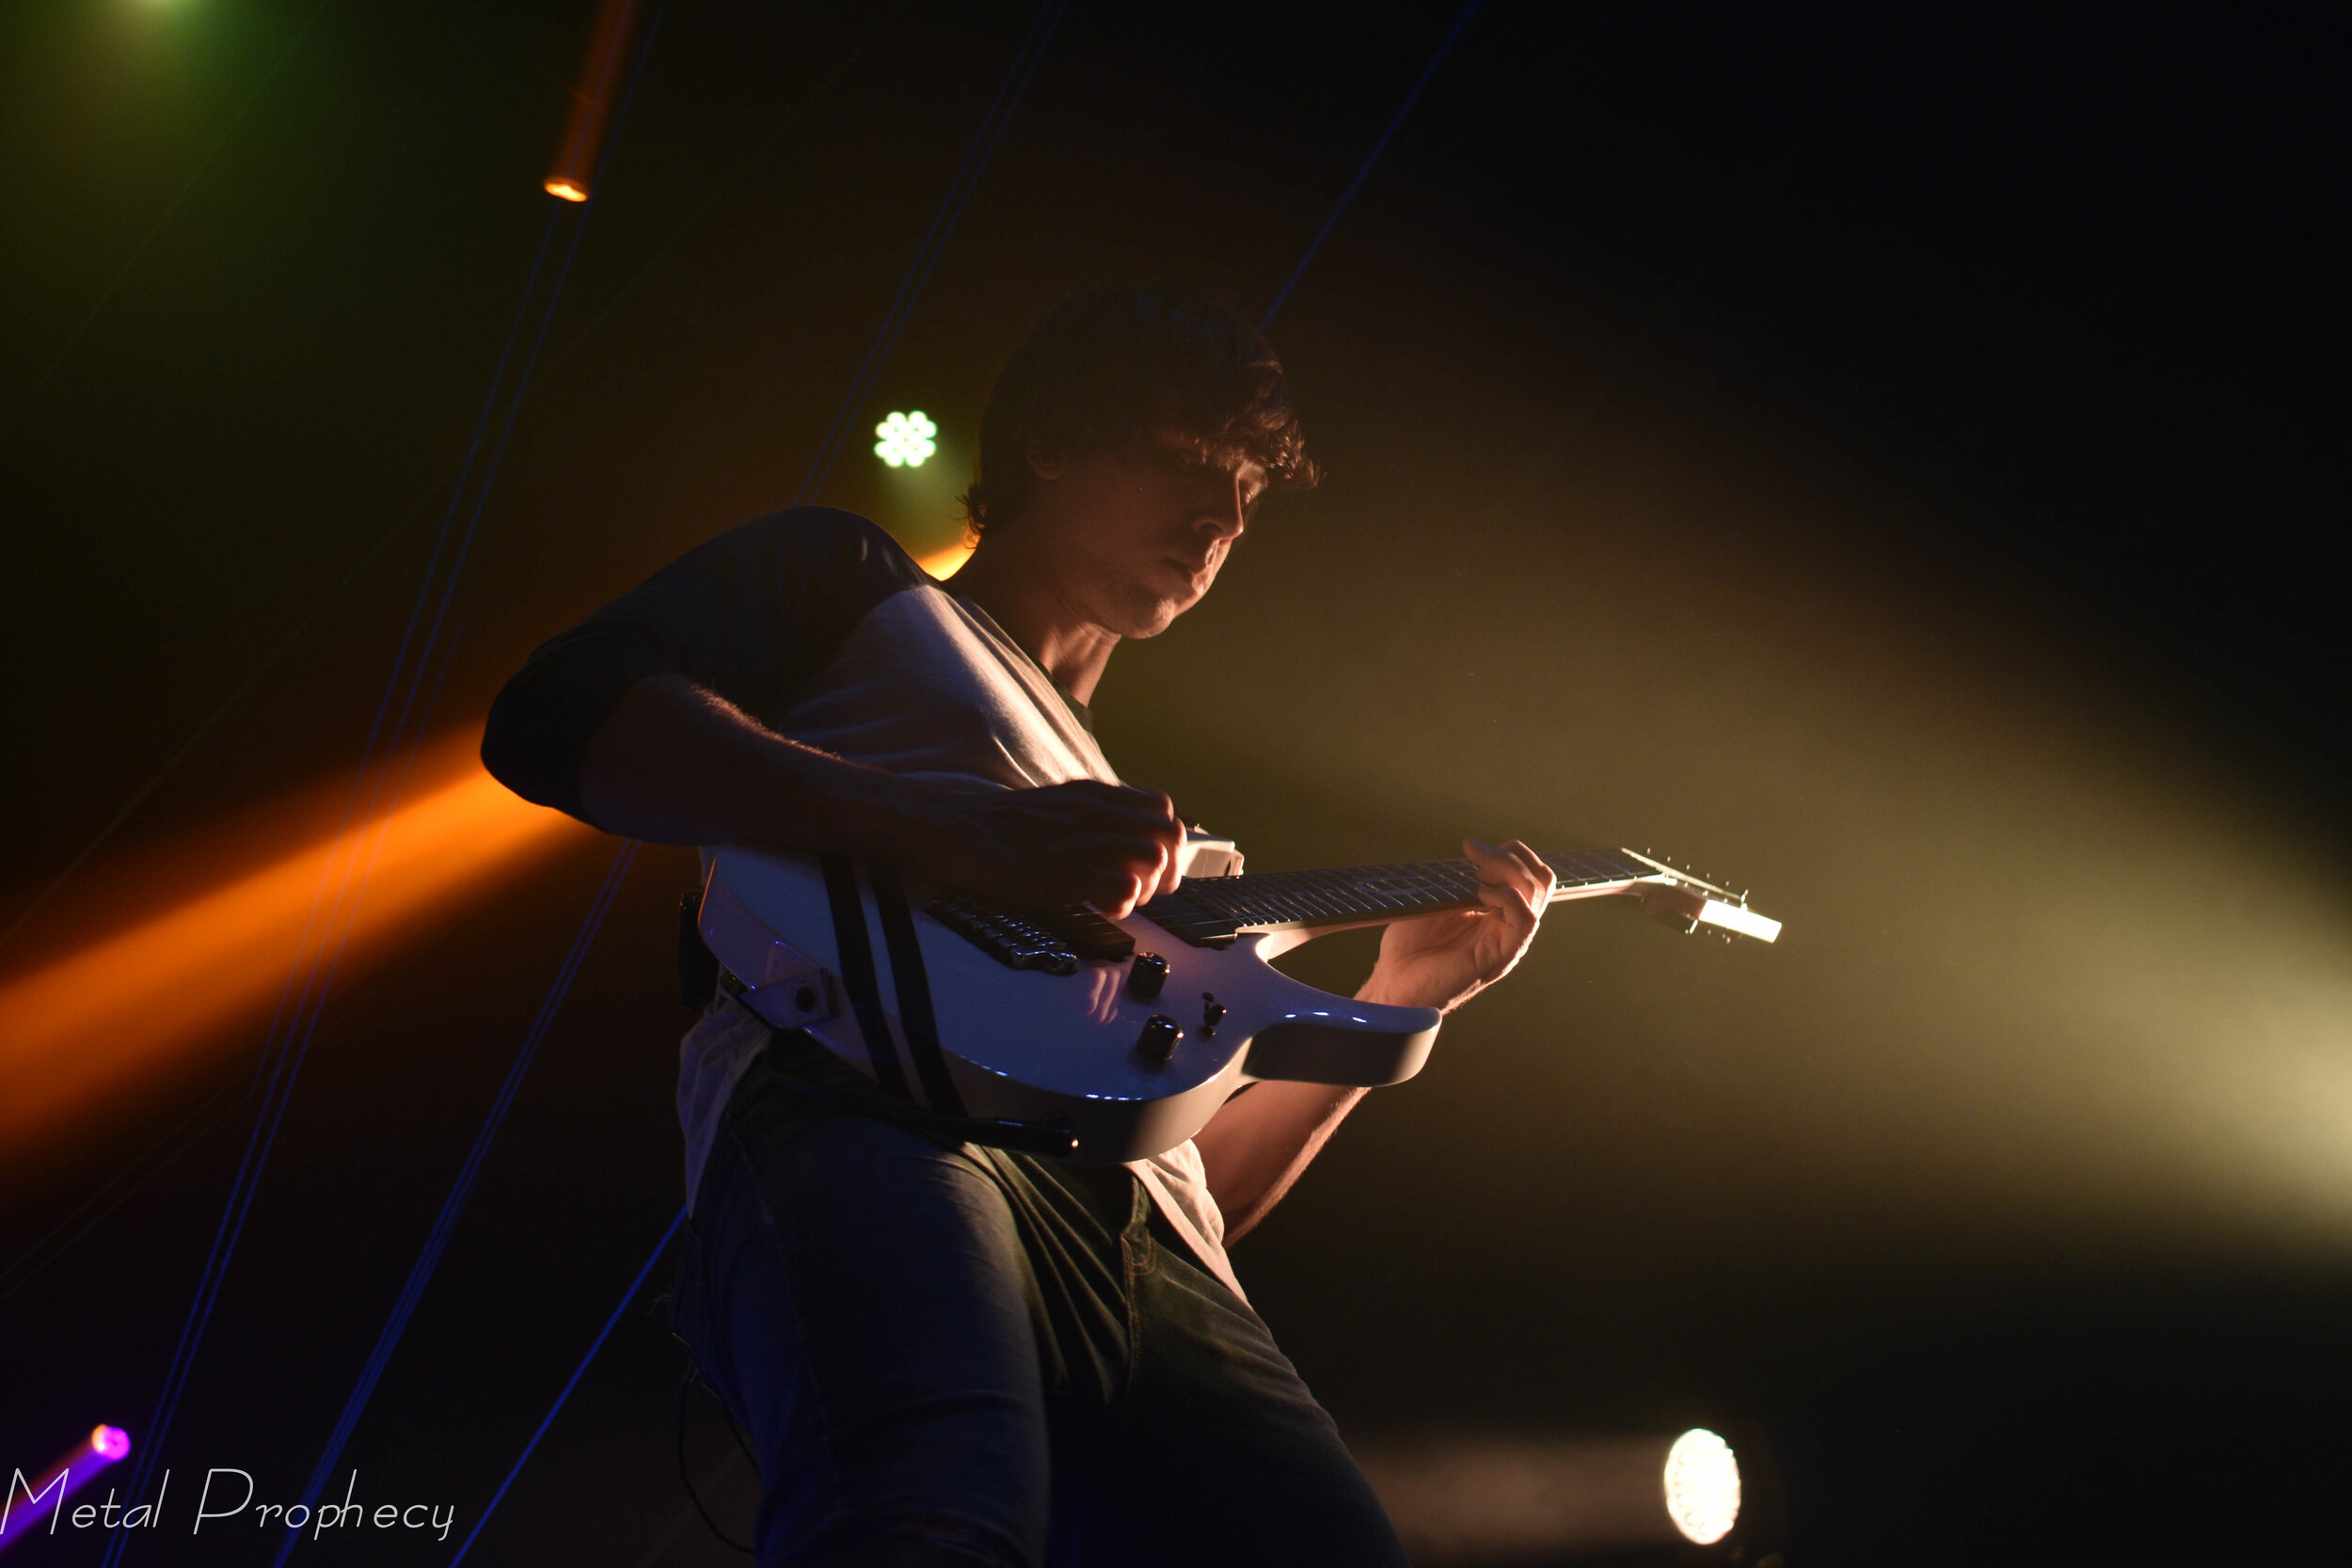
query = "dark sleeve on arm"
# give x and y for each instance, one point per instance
(750, 616)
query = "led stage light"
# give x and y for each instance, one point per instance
(28, 1504)
(906, 439)
(1464, 1497)
(592, 104)
(1701, 1486)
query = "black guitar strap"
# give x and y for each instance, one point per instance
(857, 972)
(916, 1021)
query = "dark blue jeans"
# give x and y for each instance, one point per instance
(1011, 1358)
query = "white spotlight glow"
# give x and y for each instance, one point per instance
(1701, 1486)
(906, 439)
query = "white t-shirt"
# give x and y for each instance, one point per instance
(821, 626)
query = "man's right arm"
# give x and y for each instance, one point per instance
(675, 763)
(645, 720)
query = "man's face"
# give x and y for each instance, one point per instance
(1136, 537)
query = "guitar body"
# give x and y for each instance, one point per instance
(1064, 1052)
(1068, 1032)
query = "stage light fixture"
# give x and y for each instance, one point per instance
(1458, 1496)
(592, 104)
(1701, 1486)
(906, 439)
(27, 1503)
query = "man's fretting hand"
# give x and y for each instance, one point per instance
(1443, 960)
(1081, 841)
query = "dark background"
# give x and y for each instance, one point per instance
(1884, 458)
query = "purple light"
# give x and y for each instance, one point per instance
(23, 1510)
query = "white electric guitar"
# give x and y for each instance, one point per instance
(1066, 1032)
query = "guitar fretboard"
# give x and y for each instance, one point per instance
(1213, 910)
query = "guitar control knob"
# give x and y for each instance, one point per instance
(1157, 1042)
(1212, 1013)
(1147, 976)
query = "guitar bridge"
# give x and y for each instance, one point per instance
(1054, 940)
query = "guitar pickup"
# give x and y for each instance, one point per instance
(1091, 936)
(1057, 941)
(1013, 943)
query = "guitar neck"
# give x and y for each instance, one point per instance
(1213, 911)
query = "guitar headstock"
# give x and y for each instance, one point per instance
(1697, 902)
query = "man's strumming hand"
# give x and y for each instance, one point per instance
(1081, 841)
(676, 764)
(1443, 960)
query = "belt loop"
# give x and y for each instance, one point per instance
(1140, 1246)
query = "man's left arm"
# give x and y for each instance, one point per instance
(1260, 1142)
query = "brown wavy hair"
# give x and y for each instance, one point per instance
(1108, 371)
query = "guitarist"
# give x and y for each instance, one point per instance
(949, 1354)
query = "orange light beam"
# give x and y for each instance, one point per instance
(168, 985)
(592, 106)
(944, 563)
